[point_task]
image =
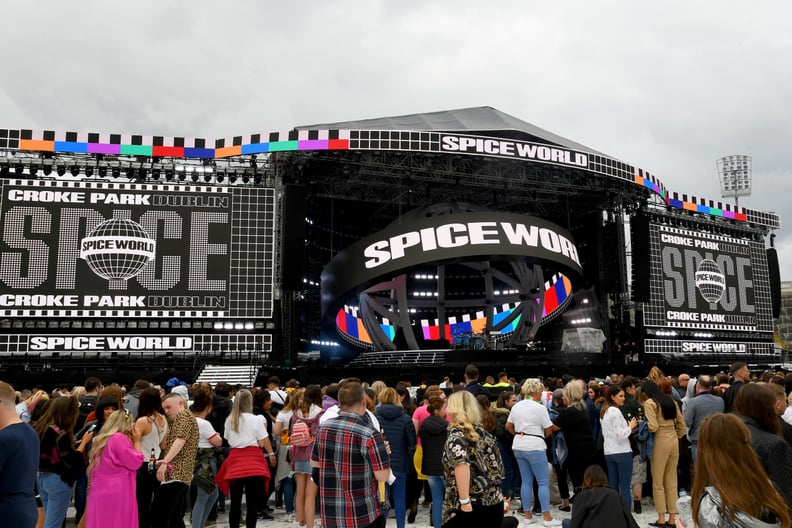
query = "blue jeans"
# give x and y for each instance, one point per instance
(55, 497)
(533, 464)
(399, 491)
(437, 485)
(289, 489)
(511, 473)
(203, 505)
(620, 474)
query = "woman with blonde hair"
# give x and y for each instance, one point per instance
(114, 460)
(573, 420)
(530, 424)
(245, 470)
(717, 495)
(473, 467)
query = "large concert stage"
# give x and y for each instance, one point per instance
(468, 232)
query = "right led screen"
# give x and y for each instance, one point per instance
(707, 281)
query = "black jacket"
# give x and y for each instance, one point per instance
(600, 507)
(398, 429)
(433, 433)
(775, 456)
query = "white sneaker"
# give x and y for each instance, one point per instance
(553, 522)
(528, 522)
(288, 518)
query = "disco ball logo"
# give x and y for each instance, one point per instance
(117, 249)
(710, 281)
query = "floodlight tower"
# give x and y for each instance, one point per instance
(735, 176)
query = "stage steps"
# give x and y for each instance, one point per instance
(231, 374)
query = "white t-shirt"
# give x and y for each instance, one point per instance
(251, 430)
(531, 418)
(332, 412)
(278, 397)
(284, 417)
(205, 432)
(615, 432)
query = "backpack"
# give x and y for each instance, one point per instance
(300, 435)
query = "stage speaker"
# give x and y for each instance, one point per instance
(774, 274)
(293, 237)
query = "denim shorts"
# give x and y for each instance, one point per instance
(302, 466)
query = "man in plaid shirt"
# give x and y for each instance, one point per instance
(349, 458)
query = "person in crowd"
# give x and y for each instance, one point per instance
(132, 398)
(664, 419)
(721, 384)
(377, 387)
(737, 493)
(597, 504)
(208, 458)
(472, 384)
(330, 396)
(112, 391)
(487, 417)
(245, 469)
(755, 405)
(433, 434)
(741, 375)
(511, 472)
(780, 407)
(632, 408)
(616, 433)
(25, 408)
(573, 421)
(422, 413)
(559, 453)
(19, 457)
(530, 424)
(349, 459)
(413, 484)
(262, 405)
(473, 467)
(114, 461)
(284, 477)
(397, 428)
(104, 408)
(93, 386)
(308, 409)
(593, 413)
(698, 408)
(277, 395)
(595, 394)
(153, 426)
(58, 460)
(175, 470)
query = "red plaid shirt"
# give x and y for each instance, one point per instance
(349, 450)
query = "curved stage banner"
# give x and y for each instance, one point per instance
(462, 236)
(97, 249)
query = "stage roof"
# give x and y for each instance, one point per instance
(474, 119)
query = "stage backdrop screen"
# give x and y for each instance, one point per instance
(707, 281)
(100, 249)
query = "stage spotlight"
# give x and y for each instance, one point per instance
(182, 175)
(18, 169)
(116, 172)
(245, 179)
(257, 179)
(61, 170)
(89, 171)
(75, 170)
(155, 174)
(253, 162)
(208, 178)
(232, 178)
(102, 172)
(32, 170)
(219, 178)
(168, 175)
(47, 170)
(4, 171)
(194, 177)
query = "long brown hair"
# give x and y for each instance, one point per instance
(610, 394)
(757, 402)
(62, 412)
(725, 437)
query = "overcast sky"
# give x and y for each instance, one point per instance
(669, 87)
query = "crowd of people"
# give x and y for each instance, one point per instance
(351, 454)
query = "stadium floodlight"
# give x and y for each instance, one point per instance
(735, 176)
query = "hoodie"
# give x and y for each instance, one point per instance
(398, 429)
